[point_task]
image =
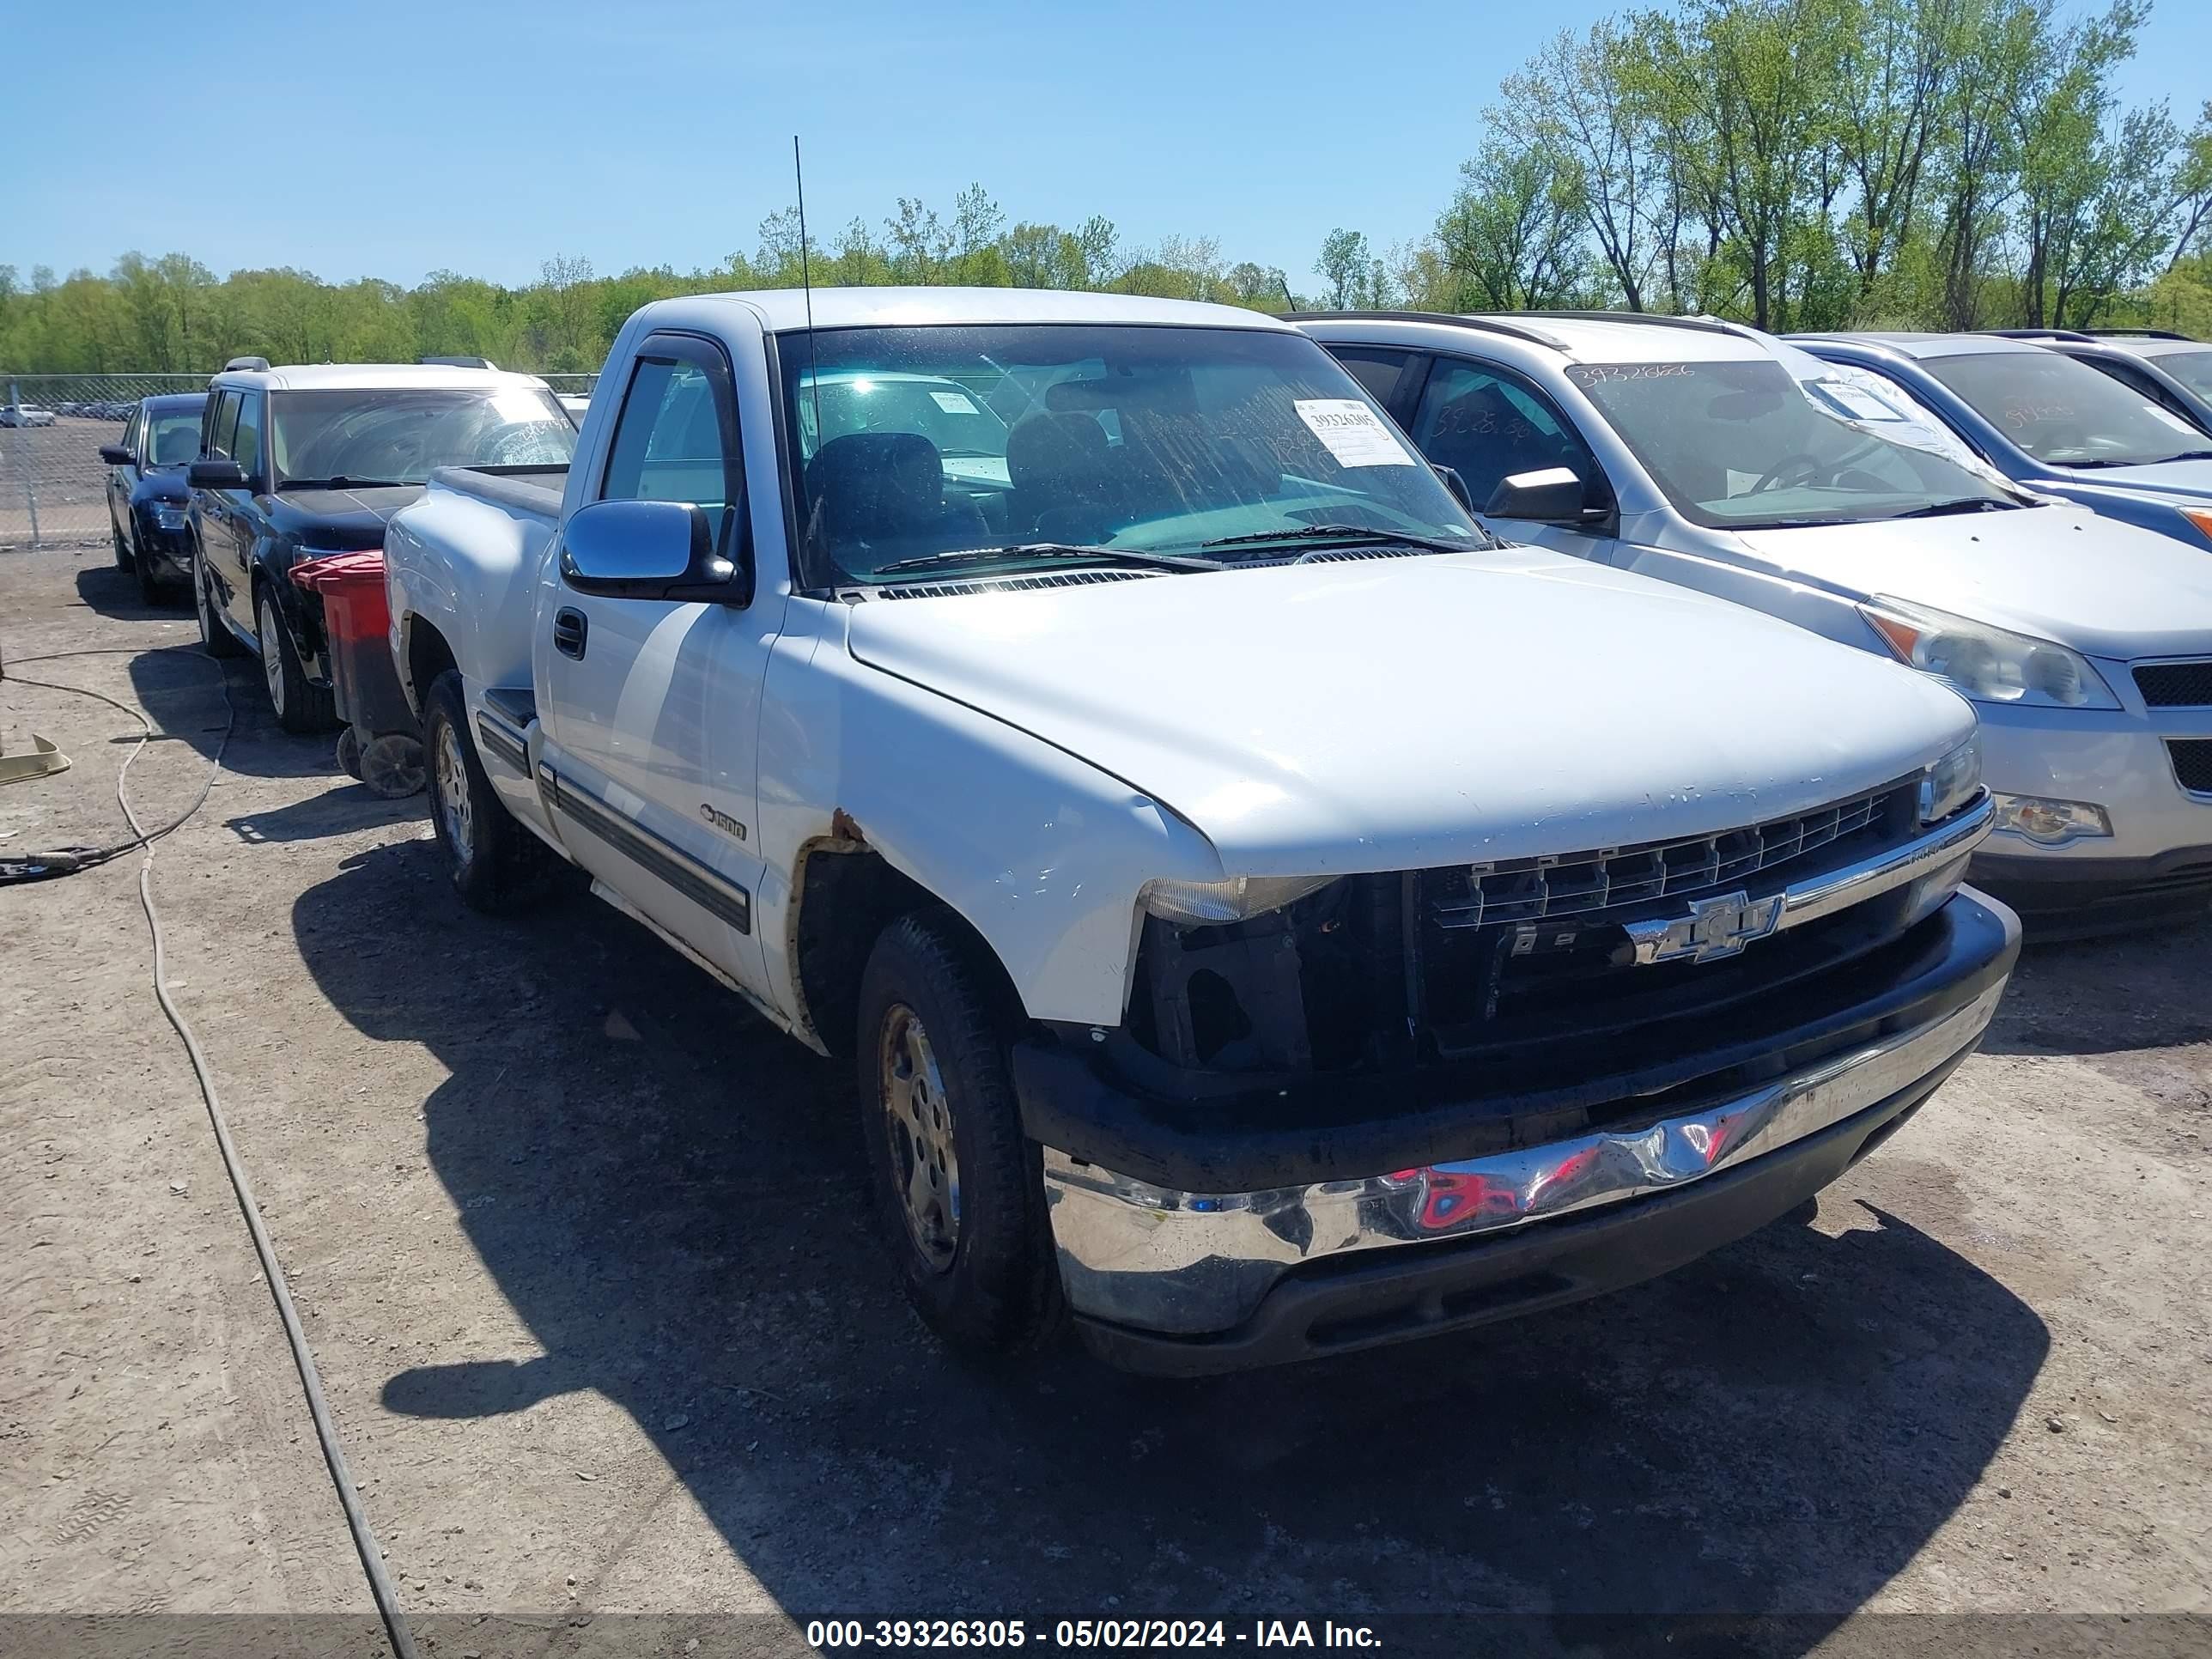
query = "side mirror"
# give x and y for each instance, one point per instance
(1449, 476)
(648, 550)
(216, 475)
(1554, 495)
(118, 455)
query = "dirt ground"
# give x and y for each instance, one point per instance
(579, 1246)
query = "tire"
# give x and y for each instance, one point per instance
(123, 559)
(215, 637)
(497, 866)
(974, 1248)
(151, 589)
(302, 708)
(349, 753)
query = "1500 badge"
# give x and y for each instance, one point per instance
(721, 820)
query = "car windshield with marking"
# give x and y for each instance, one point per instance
(1746, 445)
(2065, 412)
(396, 437)
(981, 449)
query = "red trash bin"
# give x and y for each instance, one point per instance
(381, 744)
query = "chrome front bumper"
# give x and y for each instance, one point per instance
(1178, 1263)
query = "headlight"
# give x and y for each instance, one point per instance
(169, 515)
(1989, 664)
(1952, 782)
(1236, 899)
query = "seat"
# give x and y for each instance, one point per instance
(1059, 466)
(883, 494)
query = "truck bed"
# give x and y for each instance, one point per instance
(462, 561)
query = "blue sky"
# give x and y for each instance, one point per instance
(395, 139)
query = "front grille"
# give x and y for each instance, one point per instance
(2176, 684)
(2193, 763)
(1579, 884)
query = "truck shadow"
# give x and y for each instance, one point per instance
(670, 1195)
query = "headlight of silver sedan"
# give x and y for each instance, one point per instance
(1987, 664)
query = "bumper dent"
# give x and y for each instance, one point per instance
(1147, 1262)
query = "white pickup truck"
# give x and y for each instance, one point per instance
(1265, 916)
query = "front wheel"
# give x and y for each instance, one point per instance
(151, 590)
(958, 1188)
(302, 707)
(122, 547)
(495, 864)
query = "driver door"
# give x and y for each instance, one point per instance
(1488, 423)
(652, 707)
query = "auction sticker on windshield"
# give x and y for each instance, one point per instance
(953, 402)
(1355, 434)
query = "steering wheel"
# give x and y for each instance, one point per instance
(1805, 466)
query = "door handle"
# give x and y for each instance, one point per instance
(570, 629)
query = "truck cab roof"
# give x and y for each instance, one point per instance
(782, 310)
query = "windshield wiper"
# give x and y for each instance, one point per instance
(1346, 532)
(1963, 504)
(342, 481)
(1123, 555)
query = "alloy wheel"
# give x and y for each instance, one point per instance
(272, 655)
(454, 808)
(918, 1119)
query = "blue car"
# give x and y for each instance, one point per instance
(2050, 421)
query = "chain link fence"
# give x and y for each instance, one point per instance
(53, 485)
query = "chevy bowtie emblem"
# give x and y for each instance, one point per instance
(1716, 927)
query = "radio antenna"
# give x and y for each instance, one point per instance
(806, 287)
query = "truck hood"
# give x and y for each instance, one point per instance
(1399, 714)
(2059, 572)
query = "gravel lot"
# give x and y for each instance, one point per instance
(579, 1245)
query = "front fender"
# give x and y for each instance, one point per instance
(1042, 854)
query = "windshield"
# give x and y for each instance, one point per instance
(1137, 439)
(172, 437)
(2193, 368)
(396, 437)
(1742, 446)
(2065, 412)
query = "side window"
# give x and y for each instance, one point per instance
(134, 436)
(245, 440)
(675, 440)
(222, 419)
(1487, 427)
(1379, 371)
